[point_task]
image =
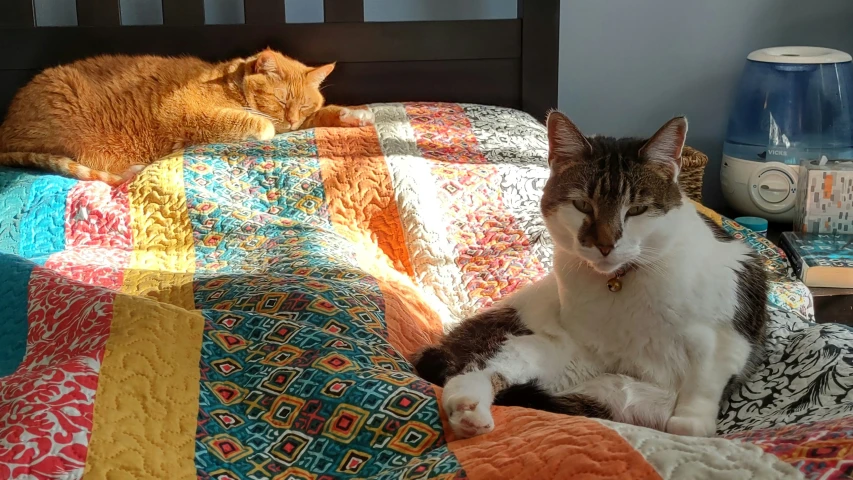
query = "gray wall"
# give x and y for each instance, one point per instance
(627, 66)
(406, 10)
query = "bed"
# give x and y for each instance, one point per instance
(248, 310)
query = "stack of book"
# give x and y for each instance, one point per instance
(820, 259)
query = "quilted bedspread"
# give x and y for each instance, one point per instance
(247, 311)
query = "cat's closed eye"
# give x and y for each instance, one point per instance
(582, 205)
(637, 210)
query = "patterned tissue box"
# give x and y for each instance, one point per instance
(825, 197)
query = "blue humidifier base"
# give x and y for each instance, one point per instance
(767, 190)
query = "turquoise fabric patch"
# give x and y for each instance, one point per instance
(296, 370)
(43, 226)
(13, 308)
(256, 177)
(15, 186)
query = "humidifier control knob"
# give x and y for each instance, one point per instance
(773, 188)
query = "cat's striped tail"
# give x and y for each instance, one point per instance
(63, 165)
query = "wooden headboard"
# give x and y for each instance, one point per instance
(509, 62)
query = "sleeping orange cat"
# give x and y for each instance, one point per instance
(105, 118)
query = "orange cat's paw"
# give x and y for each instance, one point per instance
(260, 129)
(351, 117)
(266, 132)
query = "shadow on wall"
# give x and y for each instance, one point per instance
(626, 67)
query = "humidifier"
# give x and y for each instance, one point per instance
(792, 104)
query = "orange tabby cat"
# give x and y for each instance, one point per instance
(105, 118)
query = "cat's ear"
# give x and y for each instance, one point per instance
(266, 63)
(666, 145)
(566, 144)
(316, 76)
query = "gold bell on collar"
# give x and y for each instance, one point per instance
(614, 284)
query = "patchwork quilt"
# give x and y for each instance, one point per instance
(247, 311)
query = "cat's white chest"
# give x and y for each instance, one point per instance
(652, 329)
(623, 332)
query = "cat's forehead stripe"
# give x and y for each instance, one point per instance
(614, 174)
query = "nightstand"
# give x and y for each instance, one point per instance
(831, 305)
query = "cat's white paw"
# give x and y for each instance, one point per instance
(691, 426)
(468, 417)
(267, 133)
(351, 117)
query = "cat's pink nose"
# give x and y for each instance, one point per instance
(605, 249)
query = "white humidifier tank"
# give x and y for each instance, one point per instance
(792, 104)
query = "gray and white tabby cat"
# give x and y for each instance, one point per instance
(651, 315)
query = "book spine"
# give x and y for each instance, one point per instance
(793, 257)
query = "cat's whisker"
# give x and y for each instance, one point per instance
(652, 271)
(653, 260)
(659, 271)
(259, 113)
(653, 265)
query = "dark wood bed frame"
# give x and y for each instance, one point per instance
(510, 63)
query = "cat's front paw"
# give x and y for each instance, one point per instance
(265, 132)
(260, 129)
(691, 426)
(351, 117)
(468, 417)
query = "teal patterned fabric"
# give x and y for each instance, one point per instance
(297, 377)
(786, 291)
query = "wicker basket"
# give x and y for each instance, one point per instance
(692, 172)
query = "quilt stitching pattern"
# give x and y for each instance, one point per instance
(46, 412)
(280, 300)
(296, 372)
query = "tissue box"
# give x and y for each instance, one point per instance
(825, 197)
